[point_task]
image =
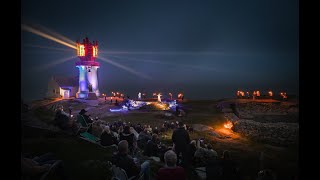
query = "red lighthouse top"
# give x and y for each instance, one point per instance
(87, 52)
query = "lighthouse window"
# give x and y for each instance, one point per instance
(81, 50)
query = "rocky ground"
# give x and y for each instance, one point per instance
(270, 122)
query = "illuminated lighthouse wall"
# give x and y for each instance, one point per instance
(88, 67)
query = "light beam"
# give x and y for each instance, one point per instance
(44, 35)
(56, 62)
(125, 68)
(167, 63)
(47, 47)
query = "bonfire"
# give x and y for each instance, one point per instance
(228, 124)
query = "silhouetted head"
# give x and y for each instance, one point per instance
(107, 129)
(123, 147)
(266, 174)
(83, 111)
(180, 124)
(126, 129)
(226, 155)
(155, 138)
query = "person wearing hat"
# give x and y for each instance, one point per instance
(86, 118)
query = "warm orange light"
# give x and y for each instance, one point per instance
(80, 50)
(270, 93)
(284, 95)
(95, 51)
(258, 93)
(228, 125)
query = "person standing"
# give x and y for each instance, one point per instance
(181, 141)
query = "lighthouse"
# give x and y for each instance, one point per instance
(88, 68)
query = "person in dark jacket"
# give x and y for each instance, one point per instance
(87, 118)
(152, 148)
(129, 137)
(143, 138)
(230, 169)
(130, 165)
(107, 138)
(62, 119)
(181, 140)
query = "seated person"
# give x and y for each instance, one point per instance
(143, 138)
(152, 148)
(202, 155)
(171, 171)
(138, 128)
(38, 166)
(62, 119)
(230, 169)
(129, 137)
(131, 166)
(87, 119)
(210, 148)
(107, 138)
(192, 150)
(155, 131)
(97, 128)
(213, 168)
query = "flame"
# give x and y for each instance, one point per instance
(270, 93)
(228, 125)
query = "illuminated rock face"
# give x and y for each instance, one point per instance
(88, 68)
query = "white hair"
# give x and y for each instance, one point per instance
(170, 157)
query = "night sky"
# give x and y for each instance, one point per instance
(205, 49)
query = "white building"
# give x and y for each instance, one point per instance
(62, 87)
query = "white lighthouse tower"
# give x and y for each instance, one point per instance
(88, 67)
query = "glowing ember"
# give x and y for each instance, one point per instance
(228, 125)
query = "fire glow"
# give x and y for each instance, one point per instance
(228, 125)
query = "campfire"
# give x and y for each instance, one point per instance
(228, 125)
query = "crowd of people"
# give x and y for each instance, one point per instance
(183, 155)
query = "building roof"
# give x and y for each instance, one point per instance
(67, 81)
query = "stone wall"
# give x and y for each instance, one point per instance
(274, 133)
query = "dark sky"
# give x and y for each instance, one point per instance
(206, 49)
